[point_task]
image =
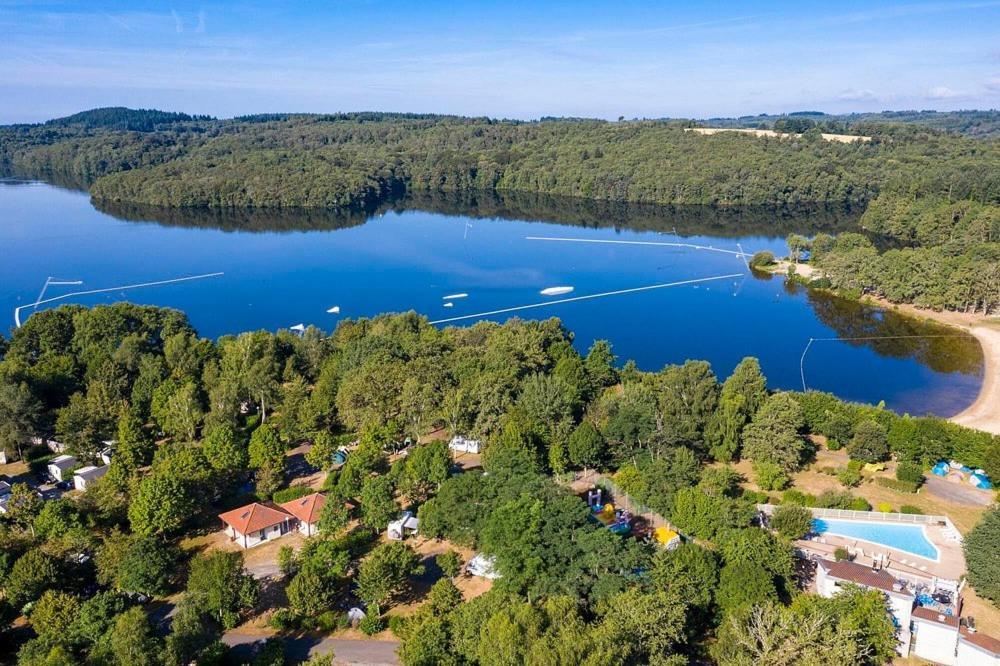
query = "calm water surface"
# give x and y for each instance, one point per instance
(294, 266)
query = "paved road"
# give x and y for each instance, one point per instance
(957, 492)
(298, 649)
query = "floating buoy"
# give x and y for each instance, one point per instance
(555, 291)
(449, 304)
(298, 327)
(334, 310)
(451, 297)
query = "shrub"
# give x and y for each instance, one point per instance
(897, 485)
(841, 554)
(286, 560)
(859, 504)
(372, 623)
(849, 477)
(770, 476)
(330, 620)
(792, 522)
(870, 442)
(398, 625)
(793, 496)
(981, 547)
(762, 259)
(284, 619)
(909, 508)
(884, 507)
(450, 563)
(910, 472)
(289, 494)
(756, 497)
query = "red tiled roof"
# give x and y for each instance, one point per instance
(933, 616)
(306, 509)
(254, 517)
(856, 573)
(982, 641)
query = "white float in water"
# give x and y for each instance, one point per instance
(555, 291)
(451, 297)
(298, 327)
(449, 304)
(334, 310)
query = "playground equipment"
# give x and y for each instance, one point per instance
(666, 537)
(616, 520)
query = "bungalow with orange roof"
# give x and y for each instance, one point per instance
(307, 510)
(253, 524)
(975, 649)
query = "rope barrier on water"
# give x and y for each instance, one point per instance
(739, 253)
(802, 360)
(87, 292)
(586, 297)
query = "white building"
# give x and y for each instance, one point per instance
(975, 649)
(483, 566)
(85, 476)
(61, 466)
(831, 576)
(935, 636)
(253, 524)
(462, 445)
(307, 510)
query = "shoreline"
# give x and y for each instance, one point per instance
(984, 412)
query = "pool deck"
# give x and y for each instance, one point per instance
(951, 564)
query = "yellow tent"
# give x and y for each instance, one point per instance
(666, 537)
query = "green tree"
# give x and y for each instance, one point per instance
(384, 575)
(586, 446)
(131, 641)
(23, 505)
(650, 625)
(870, 442)
(266, 448)
(744, 584)
(450, 563)
(161, 504)
(136, 564)
(20, 414)
(378, 503)
(32, 574)
(423, 470)
(444, 597)
(334, 516)
(220, 586)
(792, 522)
(773, 434)
(320, 455)
(52, 615)
(982, 555)
(95, 617)
(224, 450)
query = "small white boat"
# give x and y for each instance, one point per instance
(451, 297)
(555, 291)
(334, 310)
(449, 304)
(299, 328)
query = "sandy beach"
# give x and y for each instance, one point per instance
(984, 413)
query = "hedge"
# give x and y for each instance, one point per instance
(897, 485)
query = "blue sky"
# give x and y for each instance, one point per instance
(502, 59)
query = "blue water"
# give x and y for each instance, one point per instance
(907, 538)
(409, 260)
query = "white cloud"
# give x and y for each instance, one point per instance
(993, 84)
(178, 23)
(855, 95)
(943, 92)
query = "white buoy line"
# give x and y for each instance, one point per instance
(588, 297)
(17, 310)
(739, 253)
(802, 359)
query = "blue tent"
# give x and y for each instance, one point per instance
(980, 480)
(941, 469)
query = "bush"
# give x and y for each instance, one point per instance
(770, 476)
(897, 485)
(287, 564)
(756, 497)
(372, 623)
(762, 259)
(910, 472)
(792, 522)
(859, 504)
(849, 477)
(884, 507)
(799, 498)
(289, 494)
(909, 508)
(870, 443)
(398, 625)
(450, 563)
(284, 619)
(331, 620)
(981, 547)
(841, 554)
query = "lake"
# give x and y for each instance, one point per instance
(283, 268)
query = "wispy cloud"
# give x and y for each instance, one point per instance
(943, 92)
(856, 95)
(178, 22)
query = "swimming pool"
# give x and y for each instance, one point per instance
(907, 538)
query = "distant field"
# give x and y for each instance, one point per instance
(842, 138)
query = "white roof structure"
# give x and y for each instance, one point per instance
(64, 461)
(463, 445)
(483, 566)
(407, 523)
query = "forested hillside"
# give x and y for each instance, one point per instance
(932, 195)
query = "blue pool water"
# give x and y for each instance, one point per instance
(907, 538)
